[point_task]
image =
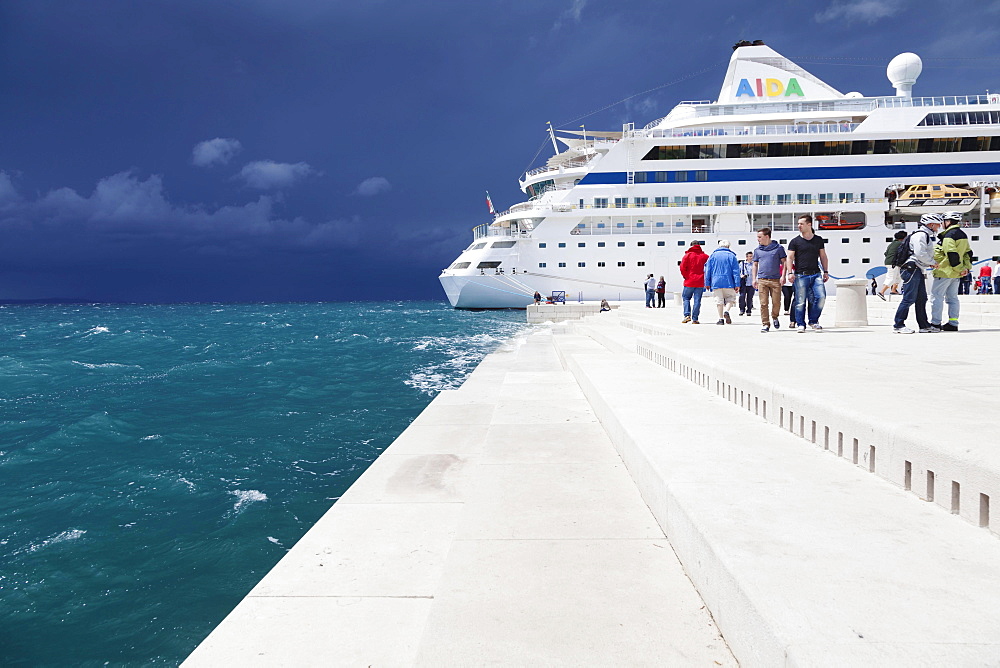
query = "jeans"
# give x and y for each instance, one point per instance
(914, 294)
(650, 296)
(661, 300)
(809, 289)
(746, 299)
(687, 295)
(944, 290)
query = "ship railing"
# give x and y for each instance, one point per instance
(866, 104)
(803, 201)
(576, 164)
(749, 130)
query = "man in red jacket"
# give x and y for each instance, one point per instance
(693, 271)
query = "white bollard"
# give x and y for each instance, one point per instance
(679, 298)
(852, 306)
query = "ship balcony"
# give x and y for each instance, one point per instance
(820, 127)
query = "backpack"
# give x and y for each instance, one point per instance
(905, 250)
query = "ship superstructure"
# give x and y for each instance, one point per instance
(612, 207)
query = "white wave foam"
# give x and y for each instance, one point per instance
(63, 537)
(246, 497)
(151, 437)
(106, 365)
(97, 330)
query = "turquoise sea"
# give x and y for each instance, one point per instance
(157, 461)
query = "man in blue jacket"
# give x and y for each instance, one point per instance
(722, 276)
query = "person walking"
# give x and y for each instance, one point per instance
(912, 271)
(965, 284)
(722, 276)
(953, 257)
(693, 271)
(746, 285)
(661, 290)
(768, 275)
(650, 290)
(806, 253)
(891, 280)
(985, 279)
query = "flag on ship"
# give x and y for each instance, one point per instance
(489, 203)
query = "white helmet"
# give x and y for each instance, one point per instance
(953, 215)
(931, 219)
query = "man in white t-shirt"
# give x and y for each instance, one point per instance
(650, 291)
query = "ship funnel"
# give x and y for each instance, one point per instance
(903, 71)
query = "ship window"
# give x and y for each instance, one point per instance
(661, 243)
(662, 201)
(641, 243)
(680, 177)
(800, 148)
(904, 146)
(600, 202)
(775, 150)
(461, 265)
(640, 264)
(753, 150)
(488, 265)
(975, 238)
(641, 201)
(601, 225)
(782, 241)
(701, 176)
(541, 245)
(844, 261)
(541, 265)
(581, 264)
(600, 264)
(866, 260)
(600, 244)
(640, 224)
(581, 245)
(804, 198)
(701, 200)
(845, 241)
(639, 177)
(478, 246)
(680, 201)
(661, 177)
(680, 243)
(692, 152)
(503, 244)
(763, 200)
(562, 244)
(837, 148)
(621, 264)
(741, 242)
(863, 147)
(883, 146)
(666, 153)
(621, 202)
(659, 224)
(621, 244)
(562, 264)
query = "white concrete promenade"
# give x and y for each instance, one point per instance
(501, 528)
(804, 557)
(792, 473)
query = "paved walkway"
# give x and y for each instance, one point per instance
(501, 528)
(827, 499)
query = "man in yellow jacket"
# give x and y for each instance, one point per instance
(954, 260)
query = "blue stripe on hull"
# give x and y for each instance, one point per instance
(891, 172)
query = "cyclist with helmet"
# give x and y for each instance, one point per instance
(954, 260)
(912, 274)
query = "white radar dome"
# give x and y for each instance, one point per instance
(903, 71)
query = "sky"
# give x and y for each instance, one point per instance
(307, 150)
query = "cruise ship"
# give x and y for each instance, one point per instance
(609, 208)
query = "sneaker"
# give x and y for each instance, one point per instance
(902, 330)
(786, 312)
(777, 325)
(721, 322)
(880, 296)
(801, 329)
(742, 313)
(816, 326)
(948, 327)
(765, 329)
(932, 329)
(729, 320)
(687, 318)
(695, 322)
